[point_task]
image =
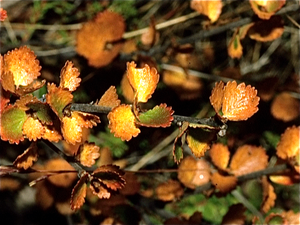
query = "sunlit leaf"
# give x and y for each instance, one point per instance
(71, 130)
(159, 116)
(143, 81)
(33, 129)
(109, 98)
(235, 48)
(88, 153)
(35, 85)
(289, 145)
(27, 158)
(223, 183)
(248, 159)
(24, 66)
(220, 155)
(52, 133)
(69, 77)
(58, 99)
(79, 193)
(212, 9)
(265, 9)
(169, 190)
(86, 120)
(269, 196)
(199, 141)
(12, 120)
(122, 122)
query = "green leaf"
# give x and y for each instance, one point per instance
(177, 147)
(271, 138)
(159, 116)
(43, 112)
(12, 120)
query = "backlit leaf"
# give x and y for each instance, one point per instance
(199, 141)
(223, 183)
(12, 120)
(143, 81)
(265, 9)
(69, 77)
(79, 193)
(71, 130)
(122, 122)
(109, 98)
(159, 116)
(220, 155)
(58, 99)
(26, 159)
(88, 153)
(24, 66)
(289, 145)
(33, 129)
(248, 159)
(212, 9)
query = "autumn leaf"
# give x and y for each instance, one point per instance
(79, 193)
(199, 141)
(69, 77)
(4, 99)
(289, 145)
(109, 98)
(159, 116)
(71, 130)
(42, 111)
(88, 153)
(26, 159)
(238, 102)
(177, 146)
(168, 191)
(265, 9)
(35, 85)
(12, 121)
(248, 159)
(122, 122)
(212, 9)
(235, 215)
(33, 129)
(143, 81)
(223, 183)
(99, 189)
(235, 48)
(23, 65)
(220, 155)
(52, 133)
(58, 99)
(269, 195)
(86, 120)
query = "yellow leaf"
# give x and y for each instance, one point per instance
(88, 153)
(143, 81)
(212, 9)
(33, 129)
(71, 130)
(109, 98)
(69, 77)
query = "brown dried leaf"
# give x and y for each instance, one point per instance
(220, 155)
(132, 185)
(248, 159)
(109, 98)
(284, 107)
(269, 196)
(223, 183)
(88, 153)
(69, 77)
(26, 159)
(289, 145)
(235, 215)
(212, 9)
(33, 129)
(169, 190)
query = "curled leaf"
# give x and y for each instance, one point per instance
(177, 146)
(143, 81)
(248, 159)
(159, 116)
(265, 9)
(235, 48)
(79, 193)
(26, 159)
(88, 153)
(212, 9)
(109, 98)
(122, 122)
(69, 77)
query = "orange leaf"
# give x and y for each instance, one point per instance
(289, 145)
(291, 216)
(143, 81)
(235, 48)
(3, 14)
(52, 134)
(99, 189)
(69, 77)
(35, 85)
(122, 122)
(223, 183)
(33, 129)
(284, 107)
(238, 102)
(88, 153)
(220, 155)
(86, 120)
(127, 90)
(269, 195)
(193, 173)
(169, 190)
(267, 30)
(26, 159)
(212, 9)
(71, 130)
(248, 159)
(24, 100)
(7, 82)
(109, 98)
(24, 66)
(79, 193)
(265, 9)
